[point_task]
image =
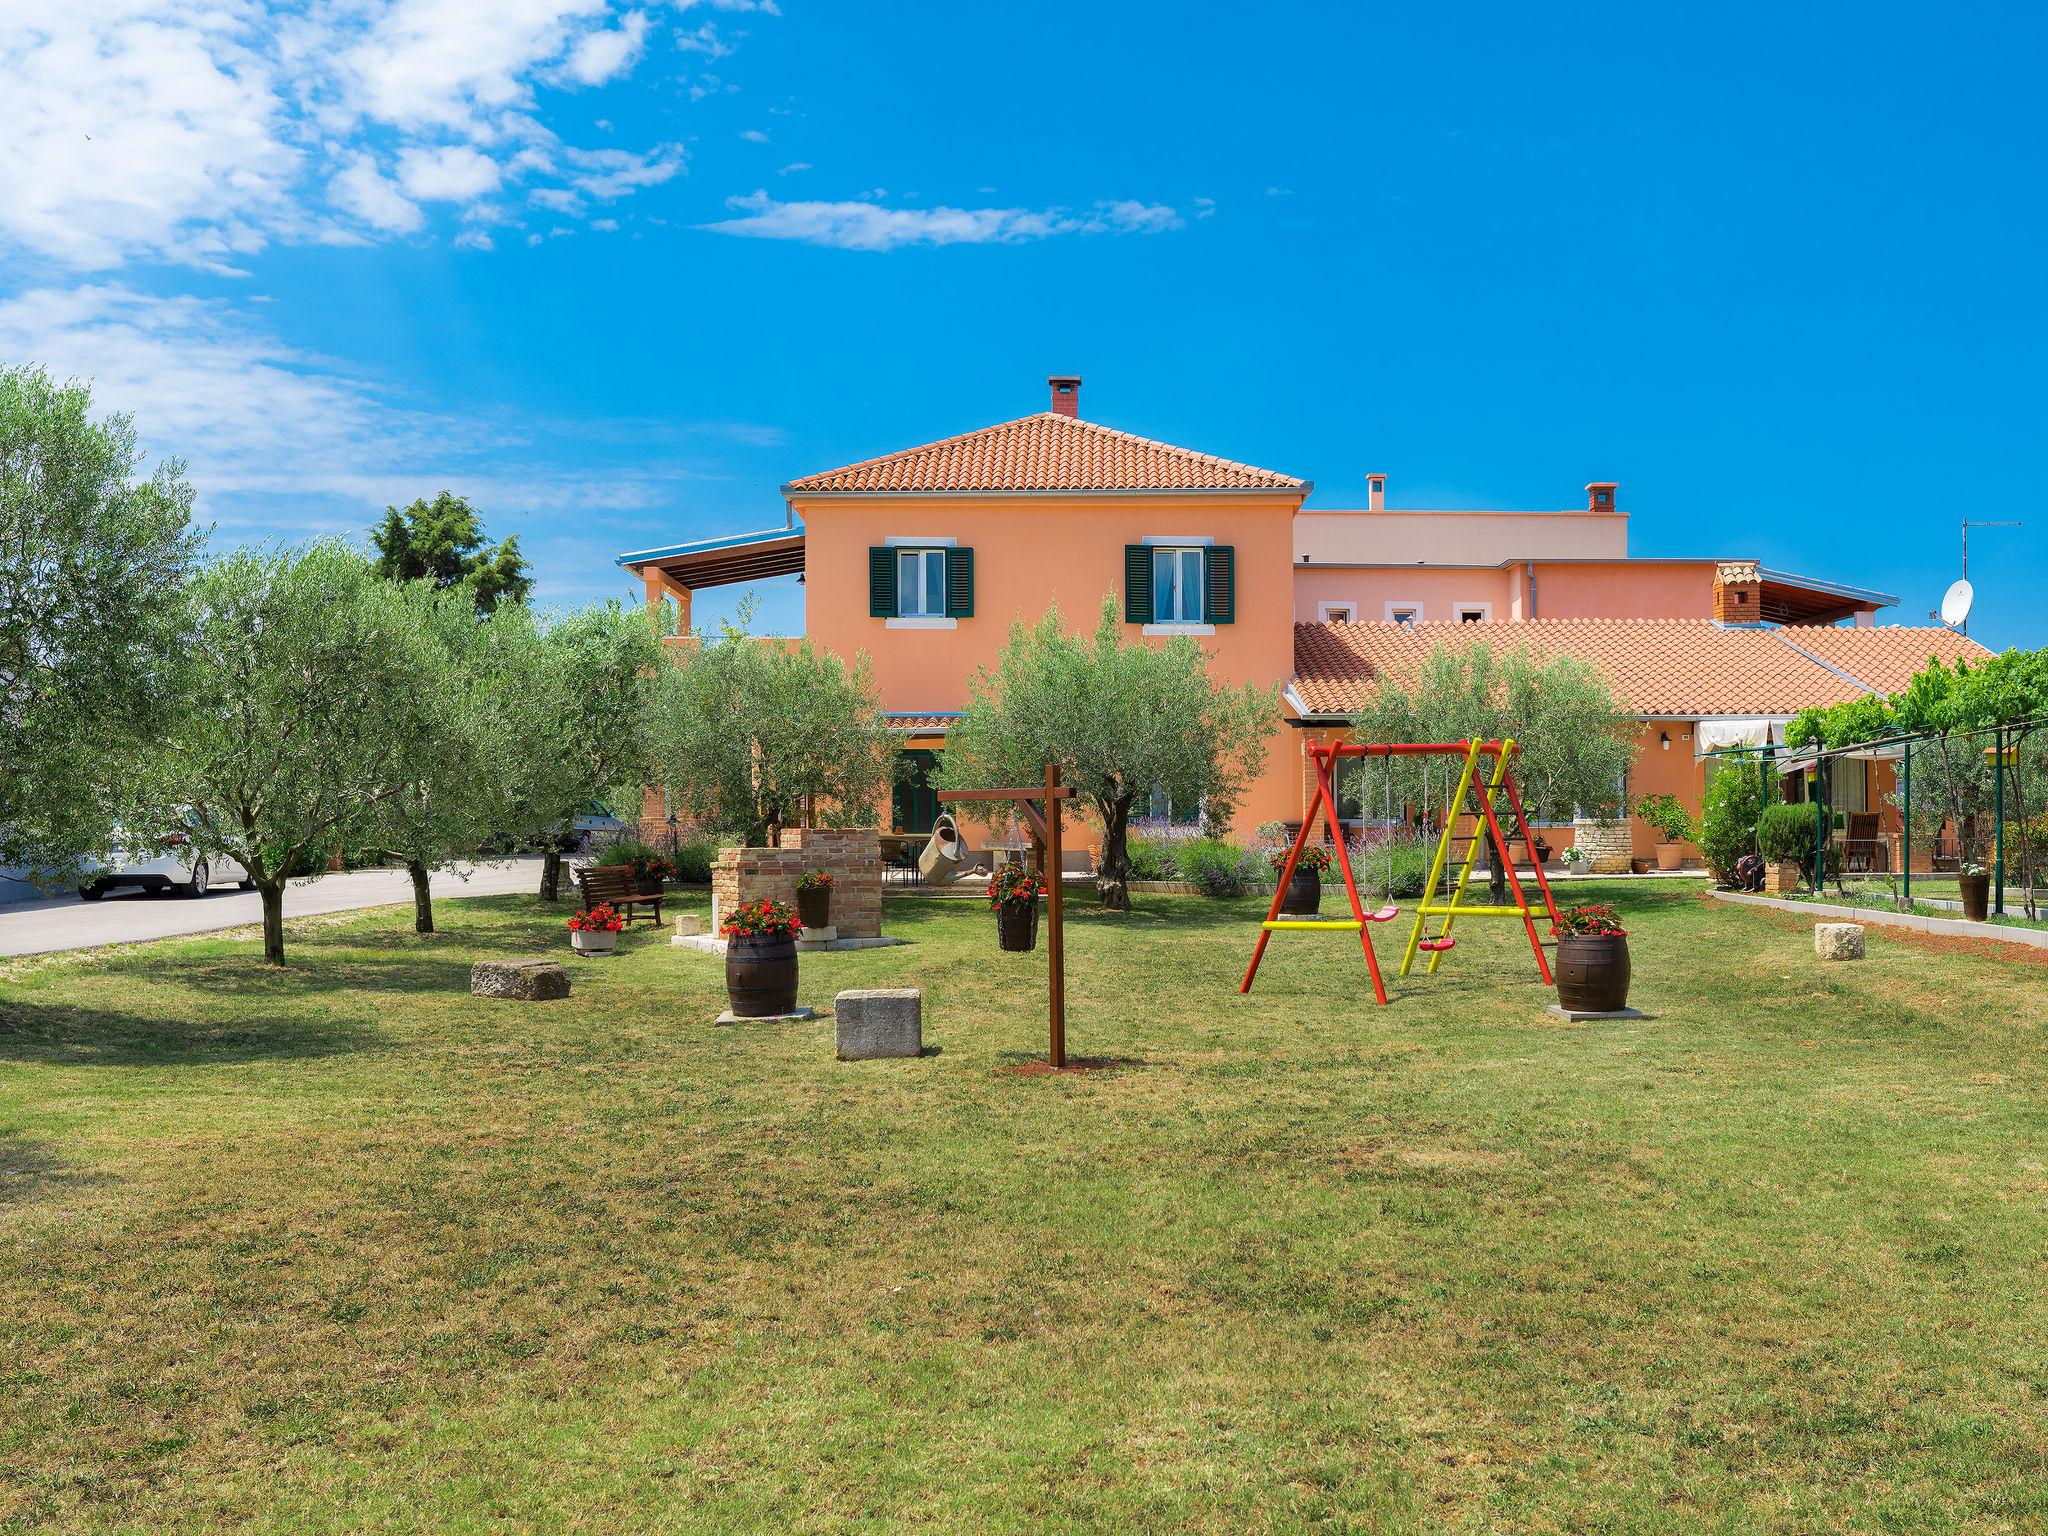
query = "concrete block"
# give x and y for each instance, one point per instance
(879, 1022)
(526, 981)
(1838, 941)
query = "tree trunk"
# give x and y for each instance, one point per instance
(1112, 881)
(273, 921)
(422, 897)
(551, 873)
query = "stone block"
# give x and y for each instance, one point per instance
(1838, 941)
(689, 922)
(879, 1022)
(1781, 878)
(528, 981)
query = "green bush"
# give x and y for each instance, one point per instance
(1398, 869)
(693, 863)
(1153, 859)
(1220, 869)
(1670, 818)
(1785, 832)
(1736, 796)
(624, 851)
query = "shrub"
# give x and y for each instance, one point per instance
(1671, 819)
(1785, 832)
(1220, 869)
(1400, 868)
(693, 863)
(1152, 859)
(1728, 814)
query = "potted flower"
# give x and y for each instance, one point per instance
(1304, 895)
(760, 958)
(1592, 959)
(1574, 856)
(595, 932)
(650, 870)
(1014, 891)
(1543, 849)
(814, 898)
(1674, 826)
(1975, 882)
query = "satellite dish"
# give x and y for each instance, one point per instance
(1955, 604)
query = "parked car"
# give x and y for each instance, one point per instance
(174, 866)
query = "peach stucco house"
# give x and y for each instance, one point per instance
(923, 558)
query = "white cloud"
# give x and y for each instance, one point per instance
(754, 136)
(607, 225)
(452, 173)
(868, 226)
(374, 198)
(200, 131)
(609, 51)
(475, 240)
(612, 173)
(793, 167)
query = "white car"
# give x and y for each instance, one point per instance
(177, 867)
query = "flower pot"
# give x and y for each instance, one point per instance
(815, 907)
(1592, 974)
(1542, 851)
(1639, 866)
(1304, 896)
(646, 885)
(1671, 855)
(1976, 896)
(760, 974)
(593, 941)
(1017, 926)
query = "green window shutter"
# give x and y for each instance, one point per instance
(881, 583)
(1137, 584)
(960, 583)
(1219, 572)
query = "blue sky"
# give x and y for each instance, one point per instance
(619, 270)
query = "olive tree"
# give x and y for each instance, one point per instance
(300, 679)
(752, 734)
(573, 727)
(94, 560)
(1120, 719)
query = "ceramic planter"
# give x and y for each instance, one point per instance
(1017, 926)
(760, 974)
(1976, 891)
(593, 941)
(1639, 866)
(815, 907)
(1592, 973)
(1671, 855)
(1304, 896)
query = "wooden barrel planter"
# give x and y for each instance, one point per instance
(1976, 894)
(1304, 896)
(1017, 926)
(1592, 973)
(760, 974)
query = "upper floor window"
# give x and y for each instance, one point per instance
(1334, 613)
(1177, 586)
(1475, 613)
(920, 583)
(1404, 613)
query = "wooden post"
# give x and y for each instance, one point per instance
(1055, 937)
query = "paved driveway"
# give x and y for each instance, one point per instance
(123, 917)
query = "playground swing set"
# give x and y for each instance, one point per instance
(1486, 793)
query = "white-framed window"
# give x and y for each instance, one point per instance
(1160, 808)
(1336, 613)
(1404, 613)
(1177, 586)
(1473, 613)
(921, 583)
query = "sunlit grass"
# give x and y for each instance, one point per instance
(341, 1248)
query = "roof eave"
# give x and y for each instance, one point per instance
(794, 491)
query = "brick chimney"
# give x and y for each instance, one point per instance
(1375, 493)
(1738, 592)
(1600, 495)
(1066, 394)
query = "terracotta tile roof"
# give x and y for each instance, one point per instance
(1046, 452)
(918, 723)
(1686, 667)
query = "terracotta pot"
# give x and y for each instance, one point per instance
(1017, 926)
(593, 941)
(1639, 866)
(1976, 896)
(1304, 896)
(1592, 974)
(1671, 855)
(815, 907)
(760, 974)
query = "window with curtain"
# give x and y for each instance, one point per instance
(921, 583)
(1177, 586)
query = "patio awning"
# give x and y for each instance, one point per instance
(1723, 732)
(724, 562)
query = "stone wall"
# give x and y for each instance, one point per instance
(853, 857)
(1607, 847)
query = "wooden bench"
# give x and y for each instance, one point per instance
(614, 883)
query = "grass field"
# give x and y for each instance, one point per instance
(342, 1249)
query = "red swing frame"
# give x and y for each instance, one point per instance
(1325, 756)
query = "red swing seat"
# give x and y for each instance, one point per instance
(1433, 945)
(1385, 914)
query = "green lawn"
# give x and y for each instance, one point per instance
(342, 1249)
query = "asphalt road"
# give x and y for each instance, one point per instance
(127, 916)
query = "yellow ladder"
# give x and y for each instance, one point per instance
(1455, 908)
